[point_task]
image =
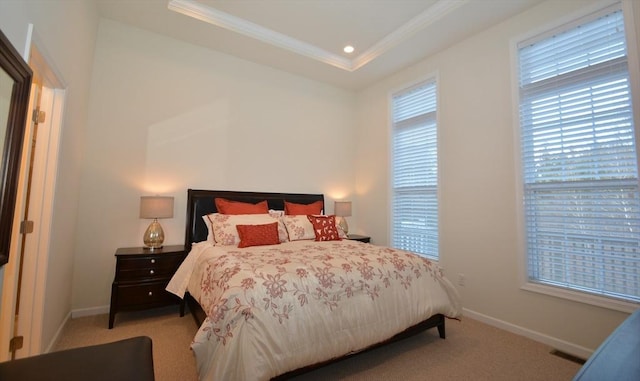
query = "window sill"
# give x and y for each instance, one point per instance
(581, 297)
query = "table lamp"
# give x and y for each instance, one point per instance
(342, 209)
(155, 207)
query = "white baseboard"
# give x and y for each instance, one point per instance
(56, 337)
(564, 346)
(72, 315)
(89, 311)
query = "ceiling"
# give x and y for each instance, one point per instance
(306, 37)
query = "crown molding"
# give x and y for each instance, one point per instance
(235, 24)
(429, 16)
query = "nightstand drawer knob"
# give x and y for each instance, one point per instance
(150, 293)
(153, 261)
(151, 272)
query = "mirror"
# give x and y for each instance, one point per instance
(15, 83)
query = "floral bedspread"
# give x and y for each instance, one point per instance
(273, 309)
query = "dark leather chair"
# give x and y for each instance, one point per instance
(124, 360)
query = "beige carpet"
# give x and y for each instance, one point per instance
(472, 351)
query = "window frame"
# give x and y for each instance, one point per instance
(634, 80)
(430, 78)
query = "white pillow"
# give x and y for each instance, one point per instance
(299, 228)
(276, 213)
(224, 226)
(210, 237)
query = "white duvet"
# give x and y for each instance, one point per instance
(273, 309)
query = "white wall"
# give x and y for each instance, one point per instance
(478, 205)
(66, 32)
(165, 116)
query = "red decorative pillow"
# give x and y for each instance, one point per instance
(225, 206)
(258, 235)
(325, 228)
(303, 209)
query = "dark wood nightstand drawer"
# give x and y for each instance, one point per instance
(139, 295)
(131, 269)
(165, 262)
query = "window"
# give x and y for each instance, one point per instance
(415, 170)
(580, 175)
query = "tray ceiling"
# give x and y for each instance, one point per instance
(306, 37)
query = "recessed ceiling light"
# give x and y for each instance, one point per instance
(348, 49)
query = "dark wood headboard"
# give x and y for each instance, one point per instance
(200, 203)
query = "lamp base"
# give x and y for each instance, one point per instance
(153, 236)
(343, 225)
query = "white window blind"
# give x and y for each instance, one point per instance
(582, 206)
(415, 170)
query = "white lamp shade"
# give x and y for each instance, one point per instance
(156, 207)
(342, 208)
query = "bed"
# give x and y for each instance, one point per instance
(275, 311)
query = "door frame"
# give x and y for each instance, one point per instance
(35, 264)
(37, 244)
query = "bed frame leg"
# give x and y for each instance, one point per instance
(441, 330)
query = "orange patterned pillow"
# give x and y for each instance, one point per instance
(303, 209)
(258, 235)
(225, 206)
(325, 228)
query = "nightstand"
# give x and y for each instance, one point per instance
(141, 277)
(361, 238)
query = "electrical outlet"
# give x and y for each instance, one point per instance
(461, 280)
